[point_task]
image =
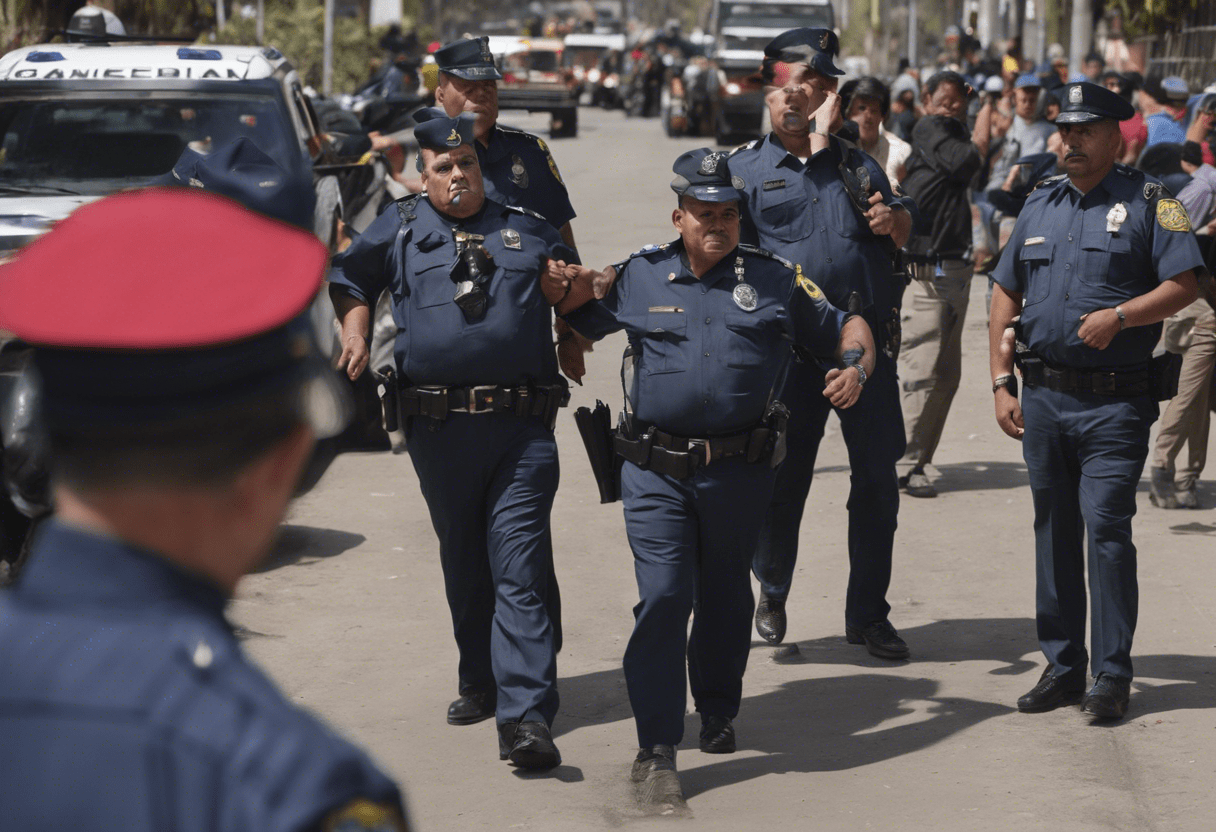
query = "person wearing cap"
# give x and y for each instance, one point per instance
(711, 321)
(179, 423)
(945, 157)
(1191, 332)
(803, 191)
(476, 385)
(1099, 257)
(1163, 101)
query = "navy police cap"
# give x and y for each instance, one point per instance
(815, 47)
(702, 174)
(468, 58)
(438, 131)
(240, 170)
(1084, 102)
(156, 305)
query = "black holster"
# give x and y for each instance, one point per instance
(595, 426)
(390, 398)
(1163, 373)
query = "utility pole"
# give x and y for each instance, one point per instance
(912, 18)
(1082, 34)
(261, 22)
(327, 55)
(221, 19)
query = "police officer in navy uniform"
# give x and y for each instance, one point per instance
(711, 322)
(796, 185)
(179, 422)
(1098, 258)
(479, 392)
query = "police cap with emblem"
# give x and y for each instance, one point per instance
(438, 131)
(814, 47)
(468, 58)
(701, 174)
(1084, 102)
(153, 307)
(241, 171)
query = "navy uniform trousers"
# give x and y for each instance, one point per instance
(489, 481)
(1085, 454)
(874, 435)
(702, 528)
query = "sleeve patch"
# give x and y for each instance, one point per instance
(363, 815)
(1172, 216)
(807, 284)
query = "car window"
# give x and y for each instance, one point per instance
(88, 143)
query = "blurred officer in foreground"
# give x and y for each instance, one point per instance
(710, 322)
(824, 204)
(477, 387)
(179, 423)
(1098, 259)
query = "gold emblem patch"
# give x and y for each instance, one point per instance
(1172, 216)
(453, 139)
(807, 284)
(549, 156)
(362, 815)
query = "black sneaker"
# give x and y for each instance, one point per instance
(717, 735)
(879, 638)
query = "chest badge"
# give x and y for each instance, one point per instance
(737, 183)
(1116, 217)
(519, 174)
(510, 239)
(745, 295)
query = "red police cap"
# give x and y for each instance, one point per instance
(160, 268)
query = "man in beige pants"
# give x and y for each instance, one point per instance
(1187, 418)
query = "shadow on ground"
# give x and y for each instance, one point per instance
(307, 544)
(980, 476)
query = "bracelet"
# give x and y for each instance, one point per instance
(861, 374)
(1008, 381)
(1122, 317)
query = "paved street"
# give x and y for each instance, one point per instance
(350, 619)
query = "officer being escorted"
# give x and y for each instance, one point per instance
(819, 201)
(1098, 258)
(477, 390)
(179, 423)
(710, 323)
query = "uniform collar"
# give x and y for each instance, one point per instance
(496, 148)
(721, 269)
(776, 155)
(69, 564)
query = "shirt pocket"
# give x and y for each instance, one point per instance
(1100, 250)
(430, 284)
(665, 342)
(519, 272)
(744, 344)
(784, 214)
(1034, 263)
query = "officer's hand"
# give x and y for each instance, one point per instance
(882, 218)
(843, 387)
(355, 356)
(570, 352)
(1009, 414)
(554, 283)
(601, 282)
(828, 117)
(1099, 328)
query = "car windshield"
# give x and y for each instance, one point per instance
(776, 15)
(97, 144)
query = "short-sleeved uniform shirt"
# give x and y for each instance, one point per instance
(801, 211)
(707, 367)
(127, 703)
(519, 170)
(1065, 262)
(412, 255)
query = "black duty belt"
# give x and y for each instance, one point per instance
(1129, 381)
(525, 400)
(680, 457)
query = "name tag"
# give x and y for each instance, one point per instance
(1034, 241)
(774, 184)
(665, 309)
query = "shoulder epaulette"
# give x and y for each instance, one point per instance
(1131, 173)
(1051, 180)
(1155, 190)
(745, 146)
(763, 252)
(405, 207)
(521, 210)
(517, 132)
(650, 249)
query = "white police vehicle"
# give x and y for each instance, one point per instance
(82, 120)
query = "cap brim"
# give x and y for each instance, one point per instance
(475, 73)
(1078, 118)
(713, 193)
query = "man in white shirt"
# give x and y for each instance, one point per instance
(869, 102)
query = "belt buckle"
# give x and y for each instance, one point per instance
(705, 446)
(481, 398)
(1104, 382)
(433, 402)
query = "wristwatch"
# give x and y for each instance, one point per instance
(1122, 317)
(861, 374)
(1009, 381)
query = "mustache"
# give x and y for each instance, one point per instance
(1074, 154)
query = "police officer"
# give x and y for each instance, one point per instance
(796, 185)
(479, 391)
(711, 322)
(179, 422)
(1098, 258)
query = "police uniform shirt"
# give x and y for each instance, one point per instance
(706, 366)
(518, 169)
(803, 212)
(435, 343)
(128, 704)
(1071, 254)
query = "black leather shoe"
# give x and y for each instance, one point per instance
(1054, 691)
(879, 638)
(472, 708)
(770, 619)
(1107, 699)
(656, 780)
(717, 735)
(527, 745)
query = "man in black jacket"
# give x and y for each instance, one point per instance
(944, 160)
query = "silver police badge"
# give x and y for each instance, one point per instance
(510, 239)
(863, 176)
(745, 297)
(519, 174)
(737, 183)
(1116, 217)
(1074, 94)
(709, 165)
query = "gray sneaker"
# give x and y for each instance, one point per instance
(1161, 488)
(917, 484)
(1187, 499)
